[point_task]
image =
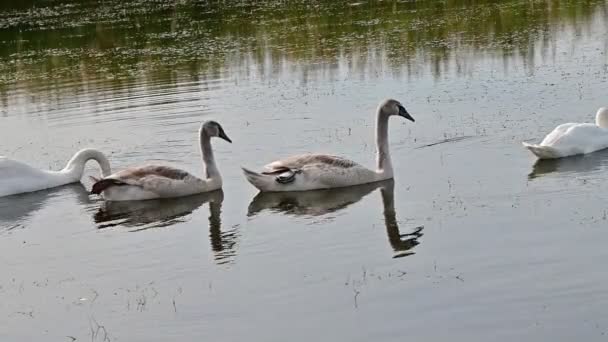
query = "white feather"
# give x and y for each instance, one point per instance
(574, 138)
(17, 177)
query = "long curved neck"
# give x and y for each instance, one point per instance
(383, 156)
(208, 159)
(75, 167)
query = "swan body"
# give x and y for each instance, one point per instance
(570, 139)
(159, 181)
(17, 177)
(322, 171)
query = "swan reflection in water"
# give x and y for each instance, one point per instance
(165, 212)
(152, 213)
(579, 165)
(321, 202)
(15, 210)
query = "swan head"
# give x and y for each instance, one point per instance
(601, 118)
(393, 107)
(214, 129)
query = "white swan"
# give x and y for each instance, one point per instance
(320, 171)
(158, 181)
(574, 138)
(17, 177)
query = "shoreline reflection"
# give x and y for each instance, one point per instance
(73, 48)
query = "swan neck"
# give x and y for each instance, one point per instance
(601, 118)
(75, 166)
(208, 158)
(383, 157)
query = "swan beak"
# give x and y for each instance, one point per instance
(224, 136)
(405, 114)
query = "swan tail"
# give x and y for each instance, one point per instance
(260, 181)
(542, 152)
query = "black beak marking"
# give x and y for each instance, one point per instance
(223, 135)
(405, 114)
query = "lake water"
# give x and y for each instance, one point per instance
(472, 241)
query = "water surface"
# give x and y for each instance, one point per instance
(472, 241)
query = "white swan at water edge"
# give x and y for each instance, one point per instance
(17, 177)
(321, 171)
(159, 181)
(574, 138)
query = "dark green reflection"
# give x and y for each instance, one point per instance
(83, 40)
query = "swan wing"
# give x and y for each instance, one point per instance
(310, 172)
(298, 162)
(574, 139)
(587, 137)
(164, 181)
(13, 168)
(559, 132)
(319, 169)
